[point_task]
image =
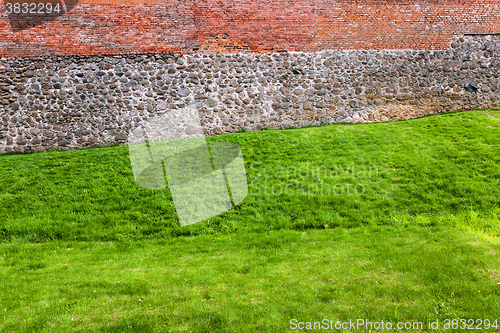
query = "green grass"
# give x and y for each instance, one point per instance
(417, 238)
(249, 282)
(436, 167)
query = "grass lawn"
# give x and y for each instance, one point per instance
(391, 221)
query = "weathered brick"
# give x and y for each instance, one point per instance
(158, 26)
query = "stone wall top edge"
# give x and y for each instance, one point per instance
(201, 55)
(367, 2)
(343, 2)
(243, 54)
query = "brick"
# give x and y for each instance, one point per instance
(160, 26)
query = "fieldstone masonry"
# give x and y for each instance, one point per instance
(89, 101)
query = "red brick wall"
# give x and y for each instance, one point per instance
(161, 26)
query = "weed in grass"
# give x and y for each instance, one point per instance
(35, 266)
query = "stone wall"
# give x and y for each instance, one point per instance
(89, 101)
(93, 27)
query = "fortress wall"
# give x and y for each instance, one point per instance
(87, 101)
(89, 74)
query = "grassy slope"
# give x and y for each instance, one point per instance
(404, 263)
(422, 171)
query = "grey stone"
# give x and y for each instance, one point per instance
(285, 91)
(121, 136)
(162, 105)
(471, 86)
(63, 142)
(211, 102)
(190, 130)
